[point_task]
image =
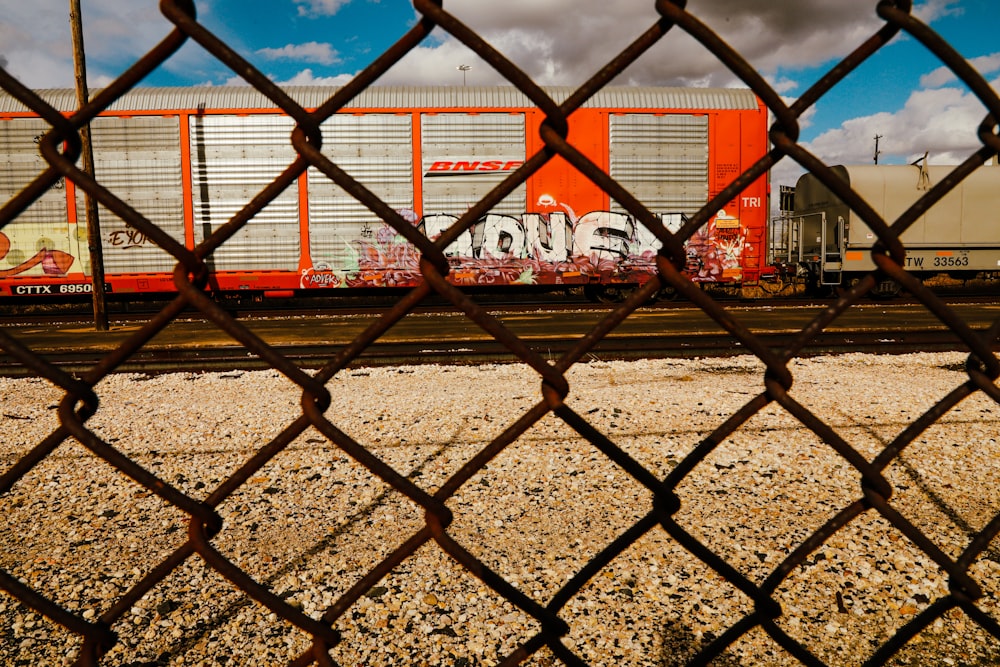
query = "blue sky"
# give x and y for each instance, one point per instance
(886, 82)
(900, 94)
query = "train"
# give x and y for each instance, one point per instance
(828, 245)
(189, 159)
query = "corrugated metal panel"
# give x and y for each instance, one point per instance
(966, 216)
(405, 97)
(22, 164)
(138, 159)
(43, 226)
(233, 159)
(662, 160)
(471, 138)
(377, 150)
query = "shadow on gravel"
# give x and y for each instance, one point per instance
(680, 646)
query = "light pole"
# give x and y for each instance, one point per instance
(463, 69)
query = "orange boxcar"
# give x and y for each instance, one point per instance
(190, 159)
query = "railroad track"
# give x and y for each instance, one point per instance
(156, 359)
(21, 313)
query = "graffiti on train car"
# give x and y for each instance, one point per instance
(52, 262)
(129, 237)
(538, 248)
(553, 247)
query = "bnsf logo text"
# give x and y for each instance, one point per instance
(453, 168)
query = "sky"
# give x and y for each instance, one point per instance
(903, 95)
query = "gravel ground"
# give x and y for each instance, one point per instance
(312, 522)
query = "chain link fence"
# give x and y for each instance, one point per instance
(79, 403)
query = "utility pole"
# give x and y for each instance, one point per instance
(877, 151)
(93, 222)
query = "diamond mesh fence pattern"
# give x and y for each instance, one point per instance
(91, 636)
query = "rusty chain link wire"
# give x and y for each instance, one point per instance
(61, 149)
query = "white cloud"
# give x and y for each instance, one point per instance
(782, 85)
(931, 10)
(985, 65)
(941, 121)
(312, 52)
(937, 78)
(554, 42)
(319, 7)
(302, 78)
(567, 41)
(35, 40)
(40, 60)
(307, 78)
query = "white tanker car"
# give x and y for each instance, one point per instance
(830, 245)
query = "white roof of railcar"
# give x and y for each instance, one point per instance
(402, 97)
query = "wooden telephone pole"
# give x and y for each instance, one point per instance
(93, 222)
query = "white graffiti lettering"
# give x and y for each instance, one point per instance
(554, 237)
(550, 238)
(318, 277)
(554, 246)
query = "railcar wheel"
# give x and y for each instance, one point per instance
(607, 293)
(613, 294)
(668, 293)
(886, 289)
(773, 286)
